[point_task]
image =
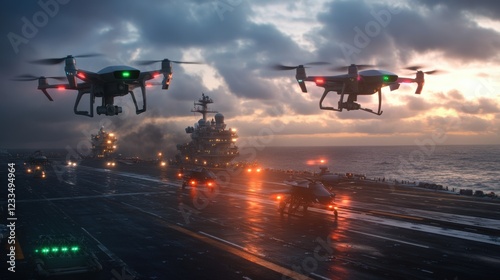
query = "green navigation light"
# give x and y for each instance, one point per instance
(125, 74)
(385, 78)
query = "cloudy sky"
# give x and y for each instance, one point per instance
(238, 40)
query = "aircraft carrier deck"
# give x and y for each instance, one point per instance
(141, 224)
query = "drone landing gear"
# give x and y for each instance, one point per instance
(77, 101)
(293, 204)
(350, 104)
(143, 92)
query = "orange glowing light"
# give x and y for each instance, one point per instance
(249, 170)
(278, 197)
(179, 174)
(258, 170)
(193, 182)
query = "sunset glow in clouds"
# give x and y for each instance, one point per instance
(238, 40)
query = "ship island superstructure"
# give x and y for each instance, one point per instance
(103, 144)
(211, 144)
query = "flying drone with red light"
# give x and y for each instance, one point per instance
(355, 83)
(108, 83)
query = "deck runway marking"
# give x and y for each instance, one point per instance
(228, 242)
(89, 196)
(396, 215)
(391, 239)
(216, 242)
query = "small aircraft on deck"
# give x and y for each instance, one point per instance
(198, 177)
(355, 83)
(305, 193)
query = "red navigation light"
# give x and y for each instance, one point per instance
(81, 75)
(155, 75)
(319, 81)
(61, 88)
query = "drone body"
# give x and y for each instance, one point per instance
(354, 83)
(108, 83)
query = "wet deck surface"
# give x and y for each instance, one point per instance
(142, 225)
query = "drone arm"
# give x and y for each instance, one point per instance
(167, 76)
(419, 79)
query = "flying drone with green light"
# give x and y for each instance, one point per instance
(355, 83)
(108, 83)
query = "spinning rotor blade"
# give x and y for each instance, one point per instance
(149, 62)
(29, 77)
(418, 67)
(345, 68)
(53, 61)
(281, 67)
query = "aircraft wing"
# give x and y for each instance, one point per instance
(302, 183)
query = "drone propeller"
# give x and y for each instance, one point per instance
(345, 68)
(29, 77)
(281, 67)
(418, 67)
(149, 62)
(53, 61)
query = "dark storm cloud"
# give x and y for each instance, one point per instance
(489, 8)
(354, 33)
(239, 50)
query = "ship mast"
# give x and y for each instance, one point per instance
(202, 106)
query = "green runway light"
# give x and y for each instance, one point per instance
(64, 249)
(75, 248)
(55, 250)
(125, 74)
(45, 250)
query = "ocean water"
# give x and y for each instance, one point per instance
(470, 166)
